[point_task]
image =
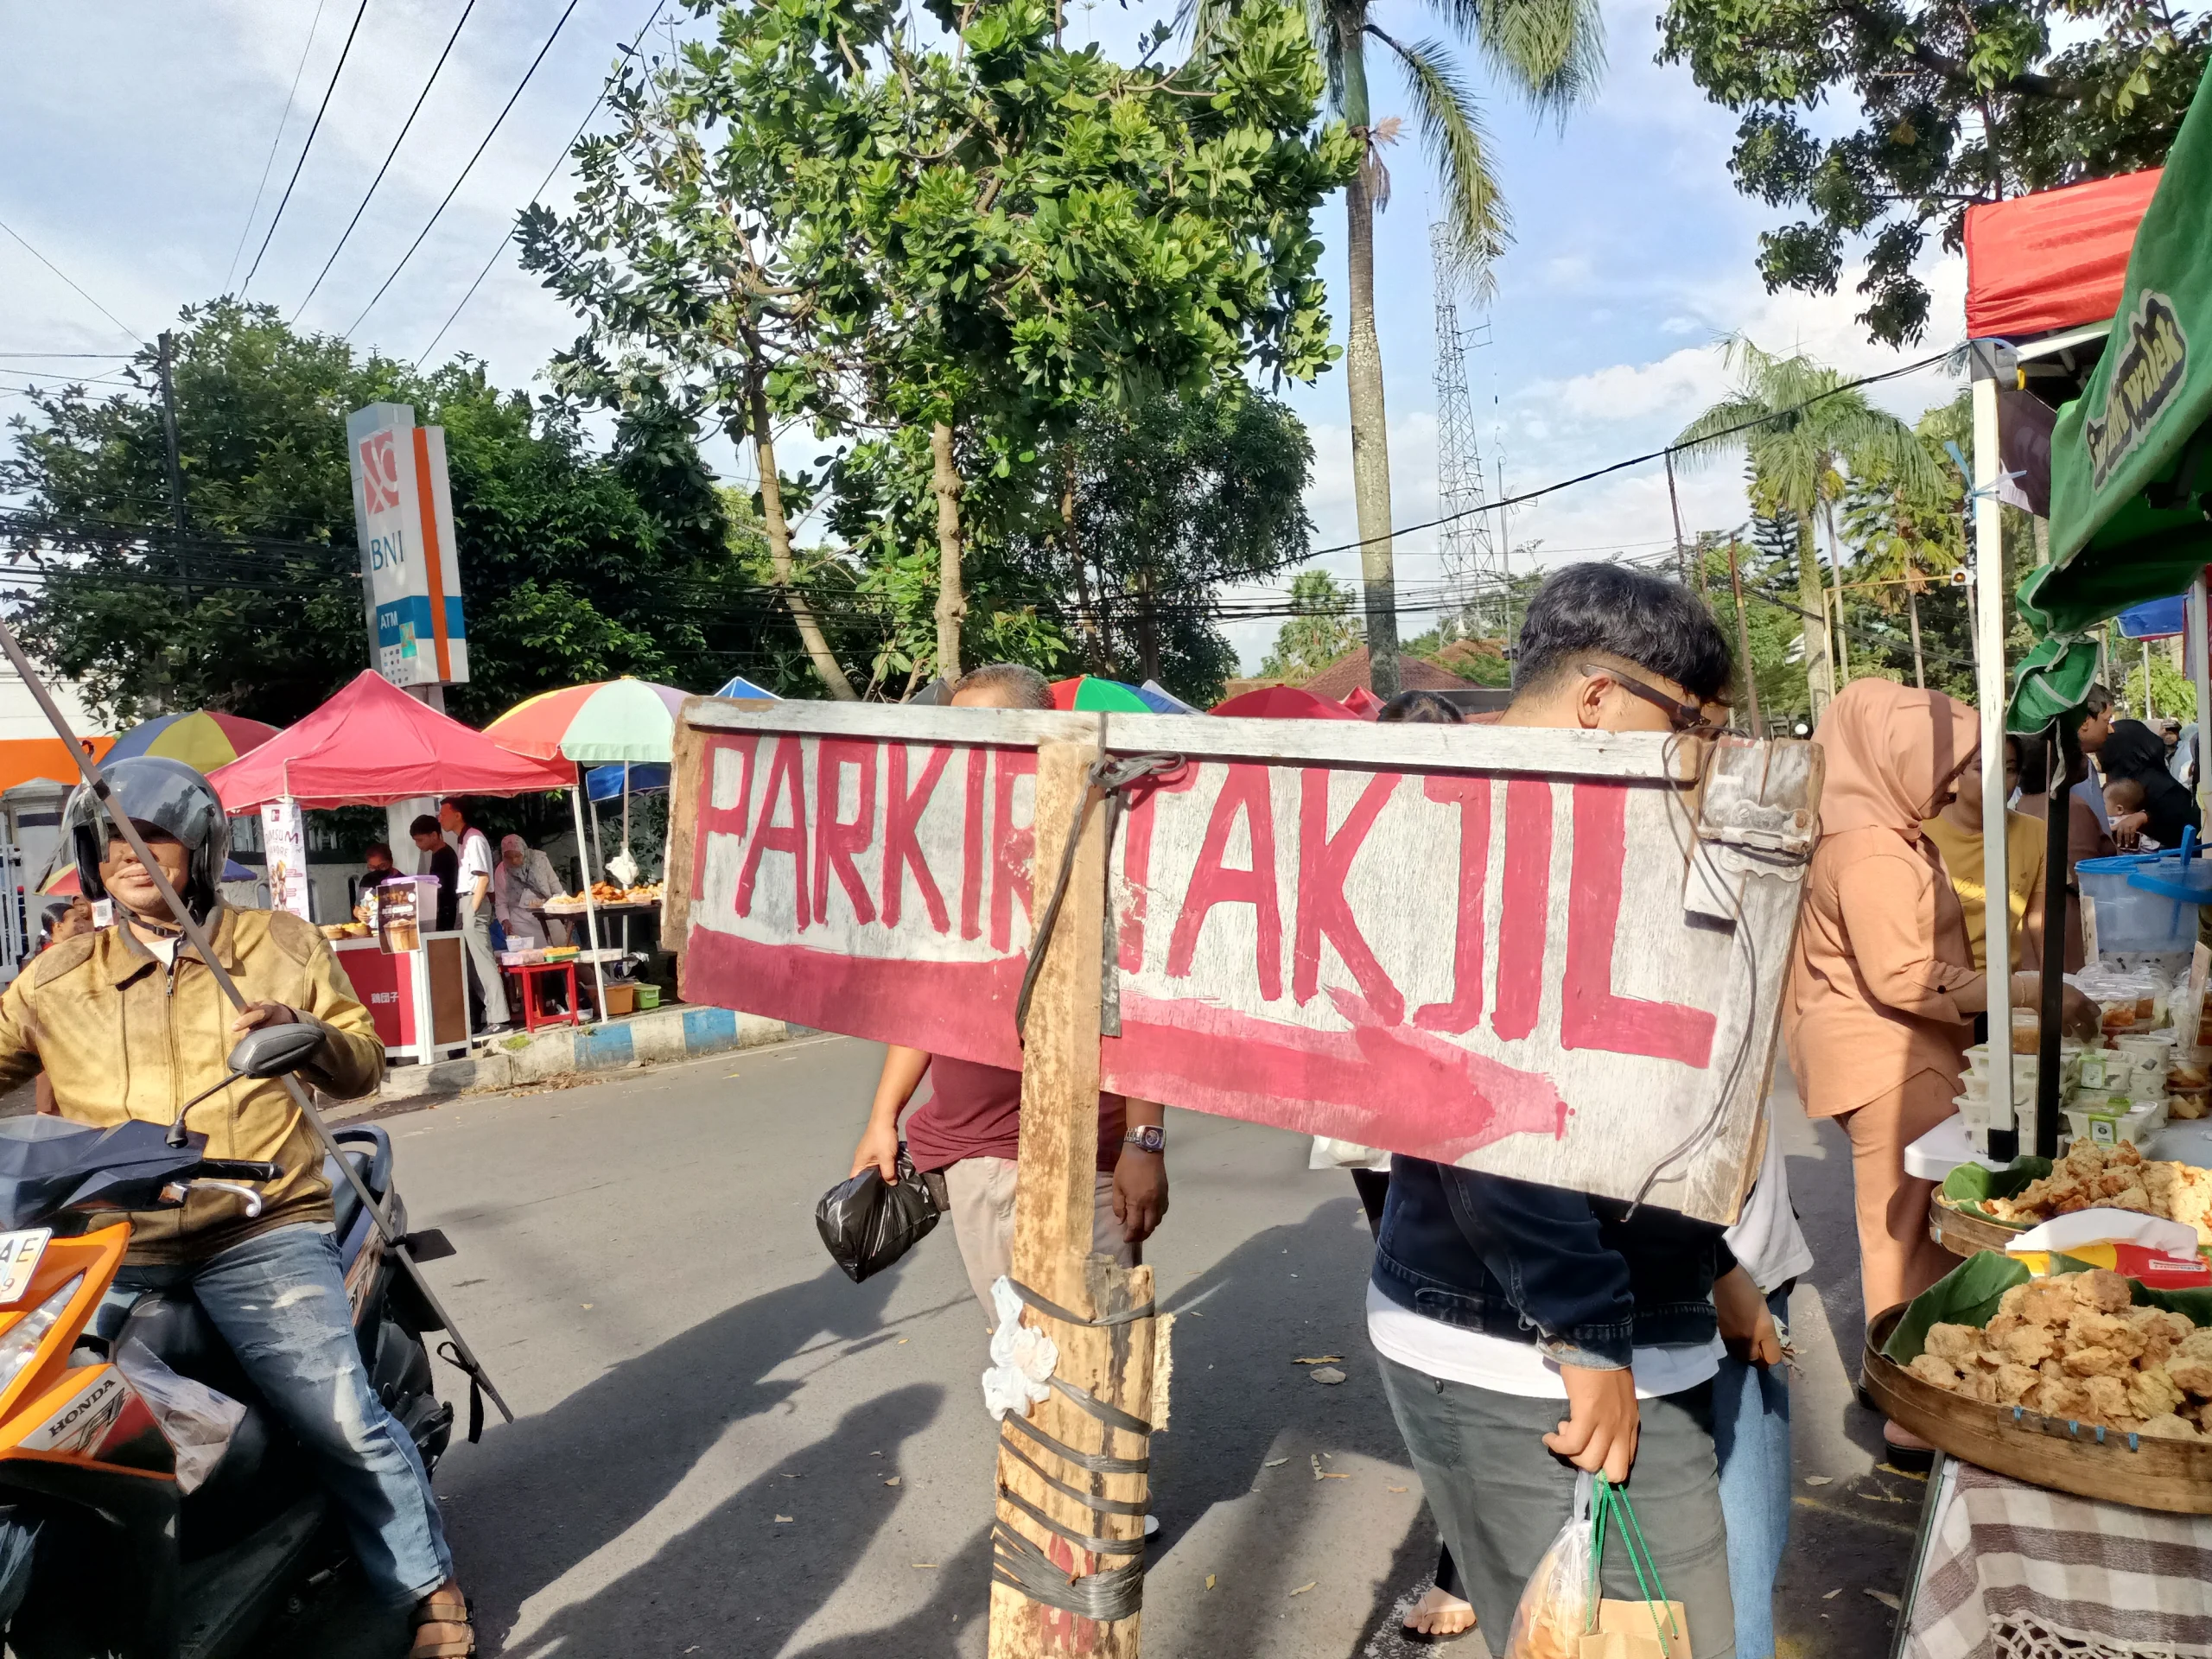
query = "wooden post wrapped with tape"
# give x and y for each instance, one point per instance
(1072, 1478)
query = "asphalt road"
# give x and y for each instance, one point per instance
(722, 1447)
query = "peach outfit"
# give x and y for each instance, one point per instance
(1875, 1038)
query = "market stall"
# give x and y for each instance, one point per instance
(369, 746)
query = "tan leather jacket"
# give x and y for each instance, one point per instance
(119, 1034)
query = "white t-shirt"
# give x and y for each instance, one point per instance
(1503, 1366)
(1766, 1241)
(475, 860)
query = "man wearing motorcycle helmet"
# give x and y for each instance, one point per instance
(126, 1020)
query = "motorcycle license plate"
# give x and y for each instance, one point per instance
(19, 1255)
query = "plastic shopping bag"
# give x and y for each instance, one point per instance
(1556, 1610)
(868, 1223)
(194, 1418)
(1653, 1628)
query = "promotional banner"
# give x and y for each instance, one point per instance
(404, 511)
(284, 844)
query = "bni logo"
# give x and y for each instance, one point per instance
(380, 471)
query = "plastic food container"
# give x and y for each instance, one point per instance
(2111, 1130)
(2147, 904)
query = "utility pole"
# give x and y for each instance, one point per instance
(1912, 609)
(1743, 634)
(168, 440)
(1682, 563)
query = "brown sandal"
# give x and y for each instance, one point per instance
(443, 1628)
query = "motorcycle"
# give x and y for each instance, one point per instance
(102, 1552)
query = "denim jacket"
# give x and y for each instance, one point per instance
(1570, 1274)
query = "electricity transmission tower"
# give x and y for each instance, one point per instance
(1473, 548)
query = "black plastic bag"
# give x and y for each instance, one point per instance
(867, 1223)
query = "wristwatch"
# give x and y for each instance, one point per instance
(1150, 1138)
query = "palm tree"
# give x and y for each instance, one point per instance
(1804, 431)
(1552, 50)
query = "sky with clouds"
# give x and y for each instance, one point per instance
(137, 133)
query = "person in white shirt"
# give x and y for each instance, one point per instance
(472, 914)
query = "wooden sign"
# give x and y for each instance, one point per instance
(1552, 954)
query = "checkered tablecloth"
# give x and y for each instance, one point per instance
(2013, 1572)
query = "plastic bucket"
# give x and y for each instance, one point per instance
(648, 996)
(2146, 904)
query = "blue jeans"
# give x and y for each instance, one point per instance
(1751, 1435)
(279, 1301)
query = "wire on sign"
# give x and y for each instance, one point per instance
(465, 171)
(320, 109)
(404, 128)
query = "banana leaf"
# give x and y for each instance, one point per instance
(2195, 1305)
(1970, 1186)
(1969, 1294)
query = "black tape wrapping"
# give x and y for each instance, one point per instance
(1018, 1562)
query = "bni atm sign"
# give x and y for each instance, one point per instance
(404, 509)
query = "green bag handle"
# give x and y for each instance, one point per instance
(1611, 1500)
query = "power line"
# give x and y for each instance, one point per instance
(319, 110)
(389, 154)
(63, 276)
(104, 357)
(276, 138)
(465, 171)
(628, 51)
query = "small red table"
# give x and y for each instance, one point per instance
(530, 990)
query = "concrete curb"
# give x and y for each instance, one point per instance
(654, 1037)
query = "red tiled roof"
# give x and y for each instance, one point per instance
(1337, 681)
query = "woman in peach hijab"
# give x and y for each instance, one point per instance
(1882, 995)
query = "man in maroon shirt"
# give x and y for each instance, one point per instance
(971, 1127)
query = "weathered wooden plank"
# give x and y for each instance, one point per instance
(1641, 756)
(682, 830)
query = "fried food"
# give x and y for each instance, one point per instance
(2074, 1346)
(2091, 1177)
(2170, 1427)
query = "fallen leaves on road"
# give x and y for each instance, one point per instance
(893, 1481)
(784, 1518)
(1209, 1580)
(1834, 1593)
(1318, 1359)
(1886, 1599)
(924, 1566)
(1274, 1463)
(1328, 1375)
(1320, 1473)
(1304, 1587)
(1398, 1488)
(1819, 1480)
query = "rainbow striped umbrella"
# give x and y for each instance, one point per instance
(203, 739)
(608, 721)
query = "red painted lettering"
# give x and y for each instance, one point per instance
(971, 847)
(1524, 907)
(1465, 1011)
(902, 813)
(835, 840)
(1017, 848)
(786, 780)
(1591, 1016)
(1324, 861)
(1136, 863)
(721, 820)
(1243, 791)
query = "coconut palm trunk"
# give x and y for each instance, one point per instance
(1813, 600)
(1370, 427)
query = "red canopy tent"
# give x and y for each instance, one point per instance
(2056, 259)
(1282, 703)
(371, 744)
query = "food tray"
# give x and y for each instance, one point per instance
(2083, 1459)
(1962, 1232)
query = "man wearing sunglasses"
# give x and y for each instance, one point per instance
(1527, 1331)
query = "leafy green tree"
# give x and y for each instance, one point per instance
(1944, 106)
(1803, 430)
(945, 251)
(1766, 566)
(2171, 694)
(574, 566)
(1321, 628)
(1550, 50)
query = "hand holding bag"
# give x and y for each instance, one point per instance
(1654, 1628)
(867, 1223)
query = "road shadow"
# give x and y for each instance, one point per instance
(541, 1495)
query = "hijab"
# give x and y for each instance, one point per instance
(2135, 751)
(1892, 753)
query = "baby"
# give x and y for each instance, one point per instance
(2122, 796)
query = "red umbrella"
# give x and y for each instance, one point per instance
(1282, 703)
(1363, 703)
(371, 744)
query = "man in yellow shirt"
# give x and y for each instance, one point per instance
(1956, 832)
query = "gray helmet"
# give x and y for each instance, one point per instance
(155, 793)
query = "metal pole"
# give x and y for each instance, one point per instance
(96, 781)
(591, 904)
(2200, 673)
(2149, 704)
(1989, 694)
(2065, 762)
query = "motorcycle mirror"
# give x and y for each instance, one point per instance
(271, 1051)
